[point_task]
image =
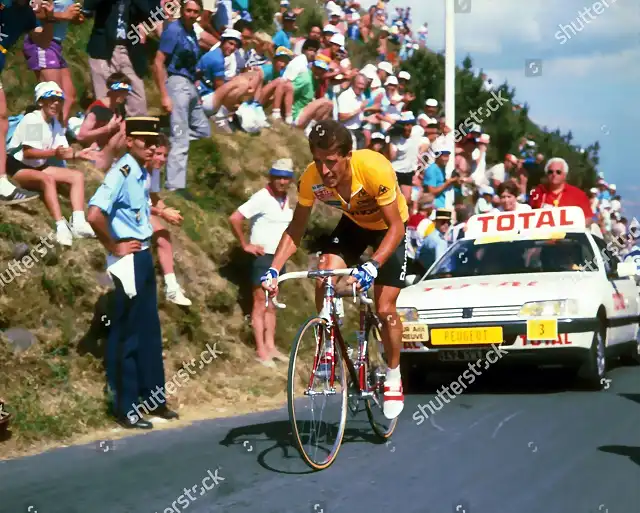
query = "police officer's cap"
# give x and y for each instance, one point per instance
(142, 126)
(443, 214)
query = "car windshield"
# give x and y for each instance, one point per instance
(469, 258)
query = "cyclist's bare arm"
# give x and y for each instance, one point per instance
(395, 233)
(292, 236)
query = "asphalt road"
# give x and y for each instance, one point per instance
(515, 443)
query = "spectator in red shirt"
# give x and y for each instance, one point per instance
(557, 192)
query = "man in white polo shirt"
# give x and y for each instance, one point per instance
(269, 213)
(351, 106)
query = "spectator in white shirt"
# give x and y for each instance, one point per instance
(616, 204)
(499, 173)
(270, 214)
(405, 149)
(485, 200)
(351, 106)
(37, 141)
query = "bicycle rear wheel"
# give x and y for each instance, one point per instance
(376, 373)
(317, 411)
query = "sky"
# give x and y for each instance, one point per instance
(589, 78)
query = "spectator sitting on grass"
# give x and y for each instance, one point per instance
(223, 86)
(39, 138)
(103, 127)
(307, 110)
(160, 212)
(275, 88)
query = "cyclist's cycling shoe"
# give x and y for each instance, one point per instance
(393, 400)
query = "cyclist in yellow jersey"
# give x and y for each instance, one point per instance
(363, 185)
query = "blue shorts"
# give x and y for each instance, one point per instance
(260, 266)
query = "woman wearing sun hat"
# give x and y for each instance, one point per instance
(38, 139)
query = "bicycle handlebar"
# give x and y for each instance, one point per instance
(317, 274)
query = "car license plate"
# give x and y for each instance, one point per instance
(466, 336)
(461, 355)
(542, 329)
(414, 332)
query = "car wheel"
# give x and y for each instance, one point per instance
(593, 371)
(633, 356)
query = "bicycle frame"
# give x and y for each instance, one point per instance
(356, 371)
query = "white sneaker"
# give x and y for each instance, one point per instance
(64, 237)
(83, 231)
(177, 296)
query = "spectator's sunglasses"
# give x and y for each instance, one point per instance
(556, 171)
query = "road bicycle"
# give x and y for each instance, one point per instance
(322, 367)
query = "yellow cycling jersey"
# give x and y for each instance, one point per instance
(373, 185)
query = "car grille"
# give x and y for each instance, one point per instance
(478, 313)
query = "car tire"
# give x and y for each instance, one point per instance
(592, 373)
(632, 358)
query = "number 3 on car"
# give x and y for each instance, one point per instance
(542, 329)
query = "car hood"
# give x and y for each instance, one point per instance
(498, 290)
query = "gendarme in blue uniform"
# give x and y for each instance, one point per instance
(134, 349)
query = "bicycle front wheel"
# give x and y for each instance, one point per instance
(317, 407)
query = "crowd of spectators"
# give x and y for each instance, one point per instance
(214, 71)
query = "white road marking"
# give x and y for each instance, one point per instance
(503, 422)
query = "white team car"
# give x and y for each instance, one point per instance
(538, 284)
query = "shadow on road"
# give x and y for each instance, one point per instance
(633, 453)
(632, 397)
(278, 435)
(498, 381)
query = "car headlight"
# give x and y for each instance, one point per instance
(559, 308)
(408, 314)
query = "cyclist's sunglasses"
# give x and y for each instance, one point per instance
(556, 171)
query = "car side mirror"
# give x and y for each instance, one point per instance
(626, 269)
(412, 279)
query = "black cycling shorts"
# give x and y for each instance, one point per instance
(349, 241)
(404, 178)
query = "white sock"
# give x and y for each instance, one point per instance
(393, 375)
(77, 218)
(275, 114)
(6, 187)
(289, 120)
(170, 281)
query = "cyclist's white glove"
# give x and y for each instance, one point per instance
(270, 276)
(365, 275)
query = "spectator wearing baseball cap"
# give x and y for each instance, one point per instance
(383, 48)
(38, 140)
(308, 109)
(484, 202)
(434, 177)
(404, 152)
(431, 107)
(283, 36)
(269, 213)
(380, 143)
(353, 26)
(222, 85)
(557, 192)
(277, 17)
